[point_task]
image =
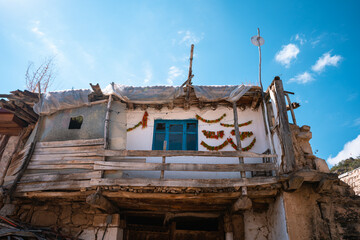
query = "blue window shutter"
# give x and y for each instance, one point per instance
(162, 132)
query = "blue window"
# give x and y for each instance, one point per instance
(178, 134)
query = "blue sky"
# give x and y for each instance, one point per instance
(312, 45)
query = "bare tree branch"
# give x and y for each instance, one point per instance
(42, 77)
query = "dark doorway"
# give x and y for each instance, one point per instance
(153, 227)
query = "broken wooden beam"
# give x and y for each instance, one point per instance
(97, 200)
(324, 185)
(294, 182)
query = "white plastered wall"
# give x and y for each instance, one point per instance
(142, 139)
(276, 139)
(267, 225)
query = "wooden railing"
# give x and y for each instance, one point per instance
(76, 164)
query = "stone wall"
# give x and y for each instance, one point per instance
(75, 219)
(334, 214)
(304, 156)
(352, 178)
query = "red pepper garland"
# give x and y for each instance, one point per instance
(214, 148)
(143, 122)
(211, 134)
(210, 121)
(232, 125)
(243, 135)
(247, 148)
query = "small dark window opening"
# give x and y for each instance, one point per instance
(75, 122)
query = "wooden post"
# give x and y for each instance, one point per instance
(288, 156)
(238, 142)
(163, 162)
(238, 226)
(228, 228)
(106, 127)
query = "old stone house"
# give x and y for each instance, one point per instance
(188, 162)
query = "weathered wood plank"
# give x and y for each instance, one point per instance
(174, 153)
(68, 185)
(71, 143)
(78, 149)
(124, 194)
(27, 178)
(56, 162)
(73, 156)
(288, 157)
(60, 166)
(101, 165)
(185, 182)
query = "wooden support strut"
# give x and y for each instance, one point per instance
(238, 142)
(291, 108)
(288, 157)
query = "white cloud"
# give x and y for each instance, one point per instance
(48, 42)
(287, 54)
(351, 149)
(301, 38)
(174, 72)
(326, 60)
(189, 38)
(302, 78)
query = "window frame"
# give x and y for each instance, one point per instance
(184, 122)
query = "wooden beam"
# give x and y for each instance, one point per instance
(243, 203)
(101, 165)
(64, 156)
(63, 185)
(174, 153)
(71, 143)
(60, 166)
(324, 185)
(96, 200)
(27, 178)
(312, 175)
(67, 150)
(96, 88)
(288, 157)
(185, 182)
(294, 182)
(66, 194)
(252, 193)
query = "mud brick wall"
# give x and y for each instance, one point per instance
(73, 219)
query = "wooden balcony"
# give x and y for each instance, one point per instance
(81, 164)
